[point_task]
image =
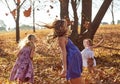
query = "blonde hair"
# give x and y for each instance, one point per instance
(26, 41)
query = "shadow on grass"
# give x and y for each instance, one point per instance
(109, 61)
(110, 48)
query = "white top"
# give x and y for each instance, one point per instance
(87, 53)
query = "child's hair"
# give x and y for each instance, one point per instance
(90, 42)
(26, 41)
(60, 28)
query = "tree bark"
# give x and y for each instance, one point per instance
(97, 20)
(88, 29)
(64, 9)
(16, 17)
(85, 22)
(86, 14)
(74, 26)
(112, 12)
(33, 16)
(17, 24)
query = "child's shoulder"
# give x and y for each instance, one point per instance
(86, 51)
(30, 45)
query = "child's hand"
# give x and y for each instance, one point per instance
(90, 62)
(63, 73)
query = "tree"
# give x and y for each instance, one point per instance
(86, 14)
(114, 7)
(112, 12)
(16, 15)
(89, 28)
(74, 26)
(33, 4)
(33, 10)
(85, 21)
(64, 14)
(97, 20)
(64, 9)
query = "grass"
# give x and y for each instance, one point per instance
(47, 63)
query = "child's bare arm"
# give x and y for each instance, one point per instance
(64, 52)
(18, 53)
(94, 46)
(62, 43)
(32, 53)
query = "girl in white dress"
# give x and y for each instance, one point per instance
(88, 55)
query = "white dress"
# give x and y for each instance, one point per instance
(87, 53)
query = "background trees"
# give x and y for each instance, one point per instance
(16, 14)
(88, 27)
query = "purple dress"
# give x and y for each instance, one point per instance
(74, 61)
(23, 68)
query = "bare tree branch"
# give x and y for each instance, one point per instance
(15, 2)
(9, 9)
(78, 3)
(21, 4)
(7, 5)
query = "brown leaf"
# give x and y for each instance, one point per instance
(27, 12)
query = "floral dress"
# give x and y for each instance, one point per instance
(23, 68)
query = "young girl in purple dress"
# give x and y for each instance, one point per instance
(71, 56)
(23, 68)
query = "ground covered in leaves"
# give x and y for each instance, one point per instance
(47, 62)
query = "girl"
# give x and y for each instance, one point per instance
(23, 68)
(88, 55)
(71, 56)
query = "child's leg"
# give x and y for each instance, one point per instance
(91, 69)
(76, 81)
(19, 82)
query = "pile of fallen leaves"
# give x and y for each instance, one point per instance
(47, 60)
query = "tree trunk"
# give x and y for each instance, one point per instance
(64, 9)
(112, 12)
(33, 17)
(86, 14)
(17, 24)
(97, 20)
(74, 27)
(85, 22)
(88, 29)
(16, 16)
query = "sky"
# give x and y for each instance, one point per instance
(47, 17)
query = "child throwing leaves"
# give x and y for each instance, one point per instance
(23, 68)
(88, 55)
(71, 56)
